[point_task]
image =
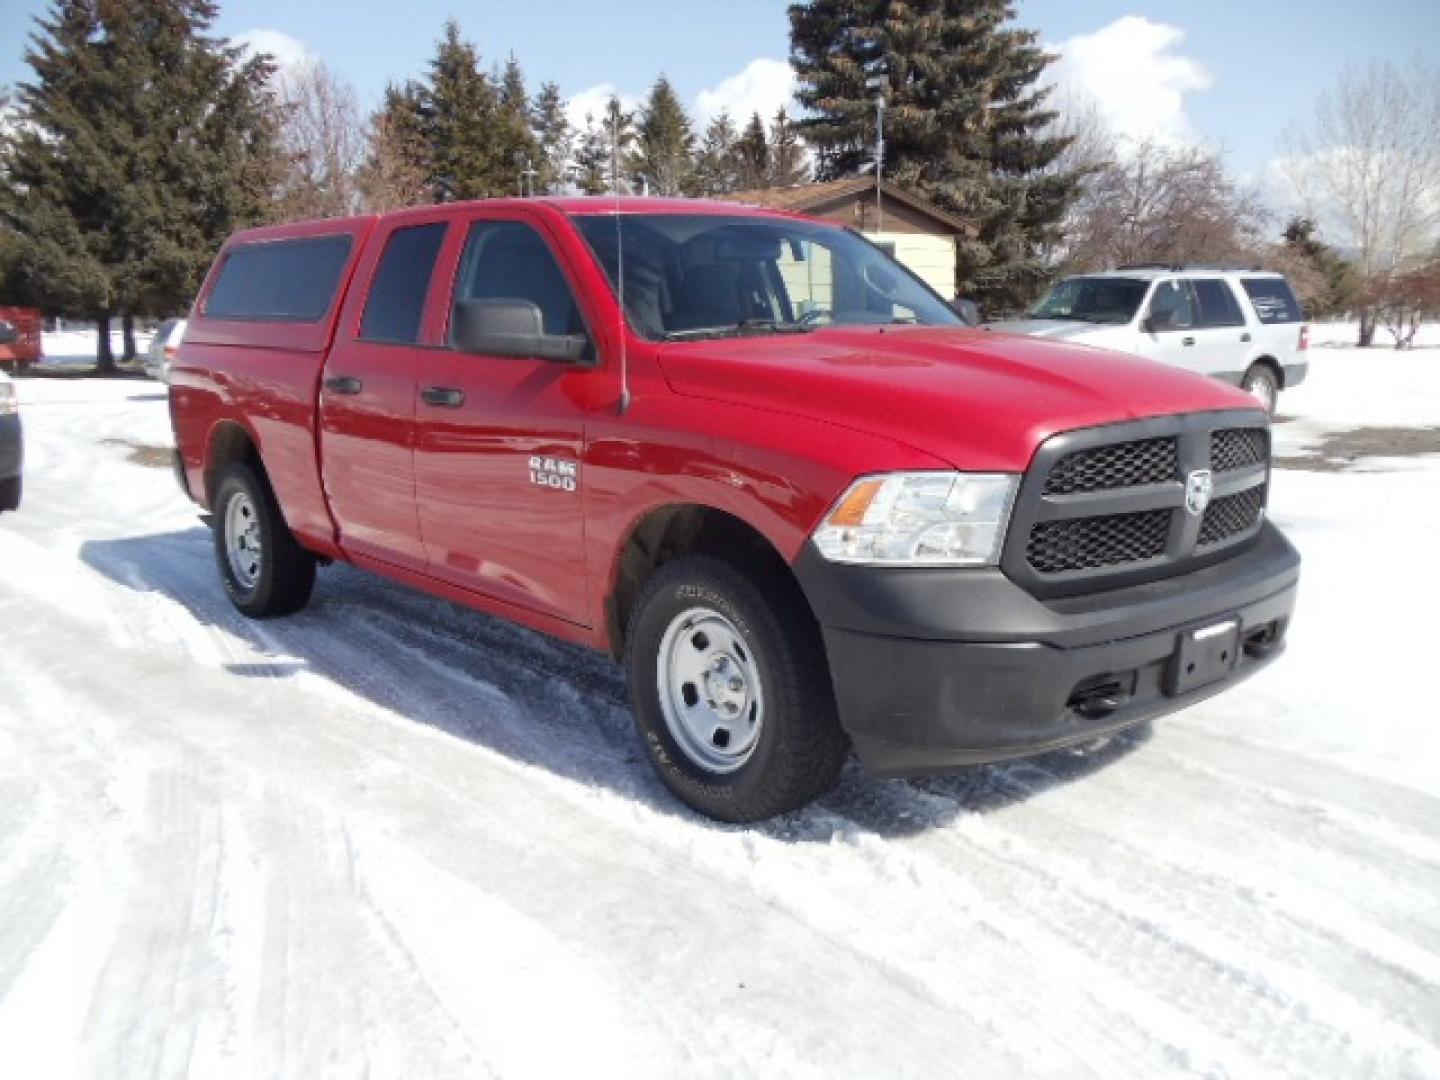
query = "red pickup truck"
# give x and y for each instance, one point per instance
(780, 479)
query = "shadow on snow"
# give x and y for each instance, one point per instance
(533, 698)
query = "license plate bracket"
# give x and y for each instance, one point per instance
(1202, 656)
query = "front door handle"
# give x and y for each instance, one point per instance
(1187, 341)
(344, 384)
(444, 397)
(1244, 337)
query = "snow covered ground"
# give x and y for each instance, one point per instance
(391, 837)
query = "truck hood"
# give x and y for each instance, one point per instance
(980, 400)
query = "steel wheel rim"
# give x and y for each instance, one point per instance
(243, 547)
(710, 690)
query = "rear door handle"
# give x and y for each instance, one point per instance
(1244, 337)
(1187, 341)
(443, 397)
(344, 384)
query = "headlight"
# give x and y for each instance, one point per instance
(9, 403)
(920, 519)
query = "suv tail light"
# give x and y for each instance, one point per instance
(1304, 338)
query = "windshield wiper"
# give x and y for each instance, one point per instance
(741, 329)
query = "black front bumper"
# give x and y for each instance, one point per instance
(935, 669)
(12, 447)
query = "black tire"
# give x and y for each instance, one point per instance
(1260, 383)
(800, 746)
(285, 574)
(11, 490)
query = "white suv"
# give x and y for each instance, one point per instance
(1242, 326)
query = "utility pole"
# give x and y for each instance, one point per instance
(877, 85)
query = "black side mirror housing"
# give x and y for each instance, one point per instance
(967, 309)
(512, 328)
(8, 334)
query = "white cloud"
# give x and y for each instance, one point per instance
(1133, 72)
(592, 101)
(763, 86)
(287, 52)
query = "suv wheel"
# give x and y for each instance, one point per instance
(1260, 383)
(264, 569)
(731, 693)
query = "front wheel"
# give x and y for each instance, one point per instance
(730, 691)
(1261, 384)
(264, 569)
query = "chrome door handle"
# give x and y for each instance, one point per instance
(344, 384)
(443, 397)
(1187, 341)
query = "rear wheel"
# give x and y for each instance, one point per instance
(1261, 384)
(730, 691)
(264, 569)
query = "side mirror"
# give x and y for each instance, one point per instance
(967, 309)
(512, 328)
(8, 334)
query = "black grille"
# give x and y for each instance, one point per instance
(1236, 448)
(1104, 507)
(1231, 515)
(1087, 543)
(1127, 464)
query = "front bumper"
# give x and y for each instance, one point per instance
(936, 669)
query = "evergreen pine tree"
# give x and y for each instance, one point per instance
(716, 171)
(396, 171)
(619, 134)
(752, 155)
(516, 144)
(459, 119)
(556, 137)
(592, 158)
(963, 126)
(788, 165)
(665, 142)
(143, 143)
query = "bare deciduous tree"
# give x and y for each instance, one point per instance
(323, 141)
(1367, 167)
(1157, 203)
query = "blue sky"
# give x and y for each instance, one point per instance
(1228, 73)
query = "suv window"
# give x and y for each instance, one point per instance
(1218, 306)
(1098, 300)
(1272, 299)
(509, 260)
(1172, 307)
(279, 280)
(397, 296)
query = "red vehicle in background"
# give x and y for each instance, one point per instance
(750, 455)
(25, 349)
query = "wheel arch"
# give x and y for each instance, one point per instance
(1274, 366)
(665, 532)
(229, 442)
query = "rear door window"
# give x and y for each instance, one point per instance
(279, 280)
(1217, 303)
(1273, 300)
(397, 296)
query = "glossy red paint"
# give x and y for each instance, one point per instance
(768, 429)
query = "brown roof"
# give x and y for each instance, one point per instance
(806, 197)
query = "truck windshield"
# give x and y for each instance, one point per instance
(1097, 300)
(713, 275)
